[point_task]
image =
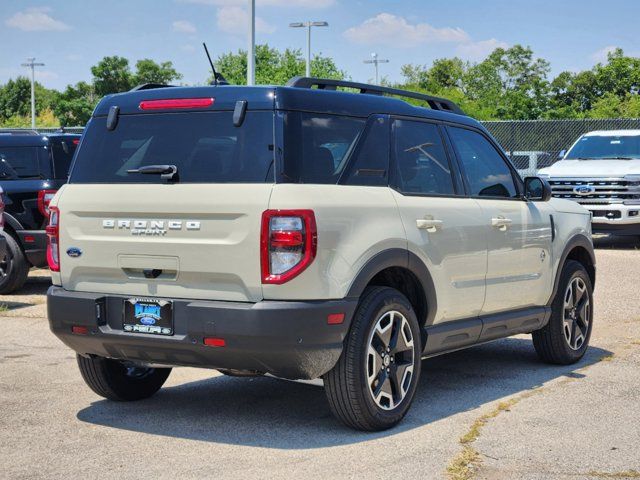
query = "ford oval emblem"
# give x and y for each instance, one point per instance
(584, 189)
(147, 321)
(74, 252)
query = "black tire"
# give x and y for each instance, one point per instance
(348, 385)
(14, 267)
(111, 379)
(552, 344)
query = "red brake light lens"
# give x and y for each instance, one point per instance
(171, 103)
(288, 244)
(53, 244)
(44, 199)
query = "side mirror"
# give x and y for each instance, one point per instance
(537, 189)
(561, 154)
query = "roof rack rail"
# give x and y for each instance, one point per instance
(149, 86)
(436, 103)
(18, 131)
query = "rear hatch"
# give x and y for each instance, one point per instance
(195, 235)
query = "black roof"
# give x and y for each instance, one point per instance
(12, 139)
(318, 100)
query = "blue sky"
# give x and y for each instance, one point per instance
(70, 36)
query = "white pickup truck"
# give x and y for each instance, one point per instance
(601, 171)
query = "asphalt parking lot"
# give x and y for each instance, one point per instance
(490, 412)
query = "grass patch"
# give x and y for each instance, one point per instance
(465, 463)
(4, 307)
(618, 475)
(607, 358)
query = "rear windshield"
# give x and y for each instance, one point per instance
(62, 150)
(20, 162)
(205, 147)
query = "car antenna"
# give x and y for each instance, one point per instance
(218, 79)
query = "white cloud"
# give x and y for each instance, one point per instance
(273, 3)
(479, 50)
(387, 28)
(183, 26)
(36, 19)
(234, 20)
(600, 56)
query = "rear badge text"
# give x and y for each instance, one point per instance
(150, 227)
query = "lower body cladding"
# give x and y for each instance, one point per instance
(296, 340)
(34, 243)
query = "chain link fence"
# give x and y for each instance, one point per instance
(535, 144)
(531, 144)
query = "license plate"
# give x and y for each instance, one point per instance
(146, 315)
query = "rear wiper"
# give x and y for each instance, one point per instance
(166, 172)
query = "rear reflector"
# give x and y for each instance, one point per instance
(79, 330)
(335, 318)
(170, 103)
(214, 342)
(29, 239)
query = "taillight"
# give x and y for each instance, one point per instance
(53, 245)
(288, 244)
(44, 199)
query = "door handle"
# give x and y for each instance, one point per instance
(501, 223)
(429, 224)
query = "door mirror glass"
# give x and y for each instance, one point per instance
(537, 189)
(561, 154)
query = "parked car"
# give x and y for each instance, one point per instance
(601, 171)
(32, 168)
(307, 233)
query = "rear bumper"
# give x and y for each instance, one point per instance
(34, 244)
(286, 339)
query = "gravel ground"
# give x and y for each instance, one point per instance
(490, 412)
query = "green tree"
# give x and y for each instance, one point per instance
(148, 71)
(15, 98)
(273, 67)
(75, 104)
(112, 75)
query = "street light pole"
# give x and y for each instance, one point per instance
(251, 51)
(375, 61)
(31, 62)
(308, 26)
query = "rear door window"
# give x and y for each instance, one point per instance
(317, 146)
(205, 147)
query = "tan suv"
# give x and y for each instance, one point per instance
(305, 232)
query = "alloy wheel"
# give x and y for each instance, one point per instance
(390, 360)
(576, 313)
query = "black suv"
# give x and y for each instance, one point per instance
(32, 168)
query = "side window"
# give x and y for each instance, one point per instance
(421, 164)
(370, 167)
(484, 168)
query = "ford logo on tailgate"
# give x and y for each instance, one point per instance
(74, 252)
(584, 190)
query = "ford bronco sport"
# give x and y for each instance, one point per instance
(305, 232)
